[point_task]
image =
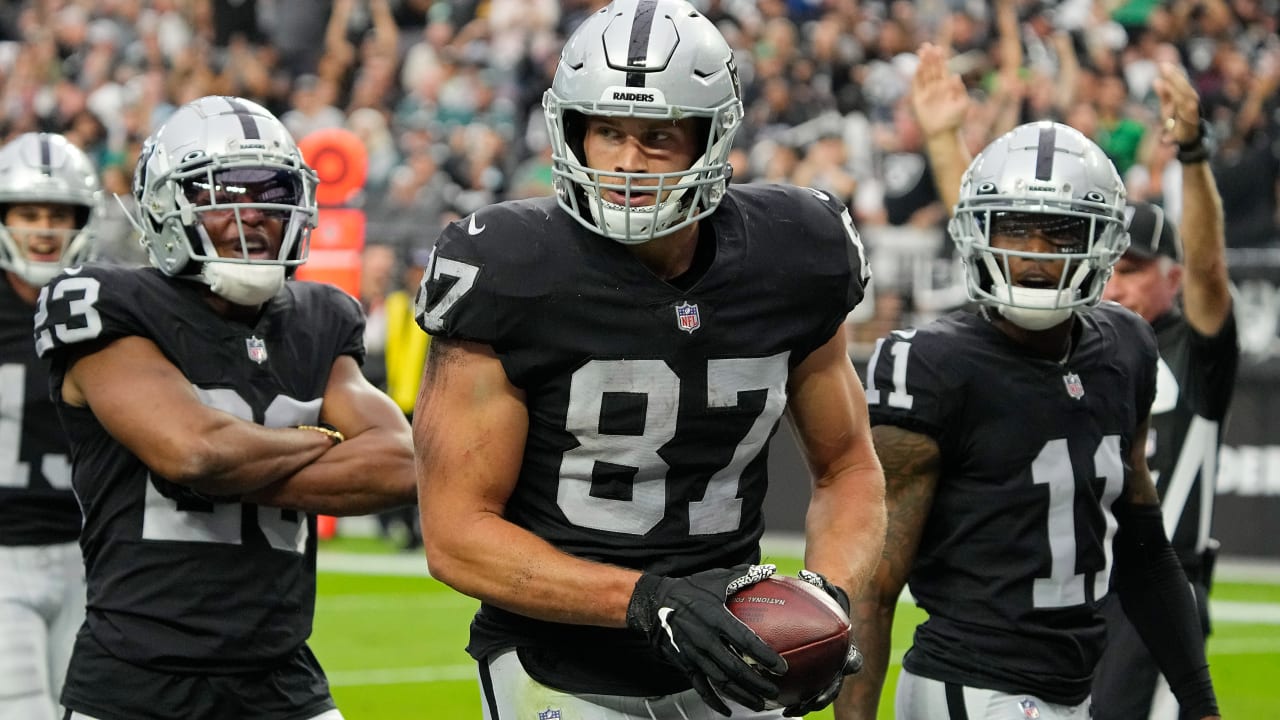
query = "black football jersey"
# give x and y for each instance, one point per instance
(177, 583)
(37, 506)
(650, 407)
(1193, 392)
(1016, 552)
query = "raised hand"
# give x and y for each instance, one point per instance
(938, 95)
(1179, 105)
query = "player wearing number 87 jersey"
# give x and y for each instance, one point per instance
(193, 394)
(607, 369)
(1013, 442)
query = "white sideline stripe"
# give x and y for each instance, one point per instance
(1221, 611)
(401, 676)
(1230, 569)
(1244, 612)
(407, 565)
(463, 673)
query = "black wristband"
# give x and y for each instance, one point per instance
(640, 609)
(1196, 150)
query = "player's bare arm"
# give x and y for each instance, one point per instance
(912, 467)
(844, 526)
(469, 431)
(1206, 296)
(175, 434)
(370, 470)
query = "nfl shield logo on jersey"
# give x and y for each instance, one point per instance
(687, 317)
(257, 349)
(1075, 388)
(549, 715)
(1029, 709)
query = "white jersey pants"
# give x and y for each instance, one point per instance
(919, 698)
(42, 598)
(510, 694)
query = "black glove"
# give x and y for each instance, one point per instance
(688, 625)
(852, 661)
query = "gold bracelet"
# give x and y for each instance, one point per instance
(332, 433)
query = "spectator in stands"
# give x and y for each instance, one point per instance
(213, 409)
(1200, 350)
(1243, 113)
(49, 208)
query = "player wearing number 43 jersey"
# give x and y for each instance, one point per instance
(212, 407)
(1014, 447)
(607, 370)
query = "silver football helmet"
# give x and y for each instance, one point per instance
(42, 168)
(645, 59)
(224, 155)
(1047, 178)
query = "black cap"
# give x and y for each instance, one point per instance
(1151, 234)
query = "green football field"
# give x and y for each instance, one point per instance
(391, 639)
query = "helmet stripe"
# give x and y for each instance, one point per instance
(247, 120)
(1044, 154)
(641, 28)
(46, 155)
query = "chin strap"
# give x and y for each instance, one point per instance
(38, 274)
(243, 284)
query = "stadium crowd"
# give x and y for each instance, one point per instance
(446, 97)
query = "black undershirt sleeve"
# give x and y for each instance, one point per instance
(1159, 602)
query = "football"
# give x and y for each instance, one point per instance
(804, 624)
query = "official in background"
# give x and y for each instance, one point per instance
(49, 210)
(1199, 356)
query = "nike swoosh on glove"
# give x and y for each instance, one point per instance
(687, 624)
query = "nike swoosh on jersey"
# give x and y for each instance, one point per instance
(472, 228)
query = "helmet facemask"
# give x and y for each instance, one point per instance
(685, 196)
(235, 178)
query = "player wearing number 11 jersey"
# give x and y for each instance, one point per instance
(1013, 442)
(212, 408)
(607, 370)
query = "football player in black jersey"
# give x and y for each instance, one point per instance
(606, 371)
(49, 206)
(1199, 355)
(212, 408)
(1014, 446)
